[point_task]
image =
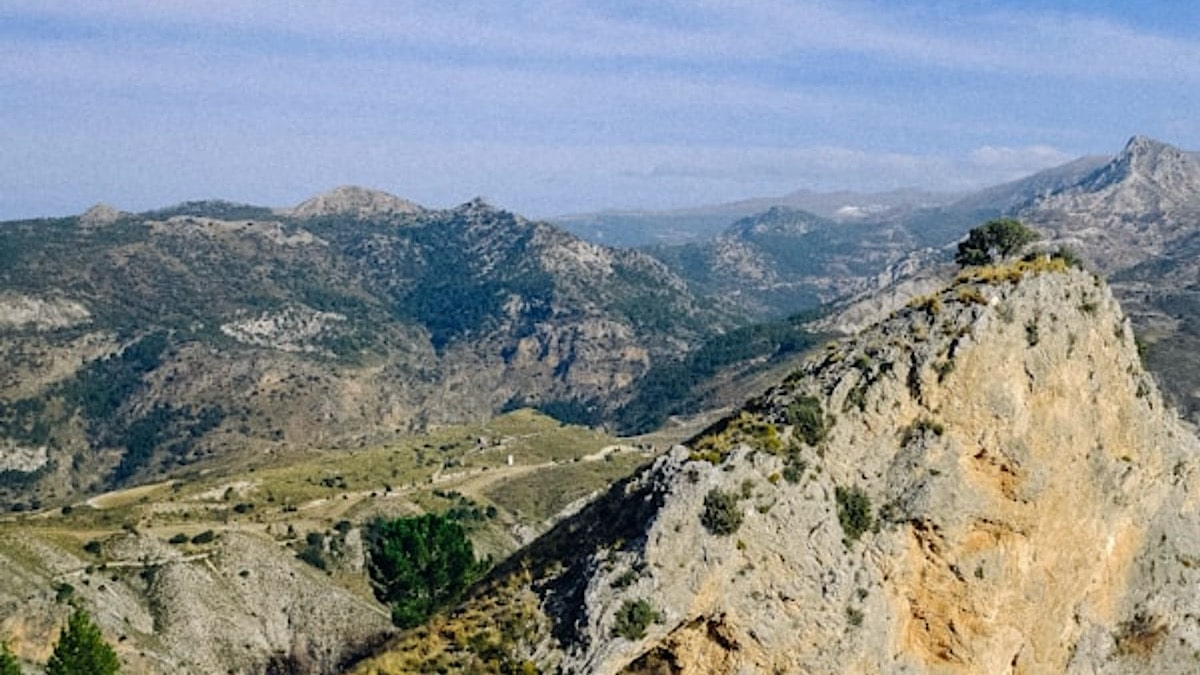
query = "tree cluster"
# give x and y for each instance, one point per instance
(420, 565)
(993, 241)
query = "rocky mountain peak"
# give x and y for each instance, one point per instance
(475, 206)
(100, 214)
(1146, 159)
(987, 481)
(777, 219)
(1134, 207)
(354, 201)
(1140, 145)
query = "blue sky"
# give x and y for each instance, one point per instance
(550, 107)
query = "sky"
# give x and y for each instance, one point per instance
(553, 107)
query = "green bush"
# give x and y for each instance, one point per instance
(1069, 256)
(921, 428)
(314, 554)
(1031, 333)
(633, 618)
(8, 662)
(854, 511)
(808, 419)
(180, 538)
(711, 456)
(794, 470)
(204, 537)
(721, 513)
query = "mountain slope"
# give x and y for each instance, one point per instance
(1137, 206)
(1134, 217)
(986, 482)
(1137, 219)
(693, 225)
(214, 331)
(784, 261)
(262, 570)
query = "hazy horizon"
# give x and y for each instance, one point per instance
(550, 108)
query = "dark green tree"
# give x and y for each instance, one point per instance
(8, 662)
(994, 240)
(81, 650)
(419, 565)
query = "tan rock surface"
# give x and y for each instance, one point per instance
(1034, 510)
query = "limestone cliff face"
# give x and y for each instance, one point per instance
(986, 482)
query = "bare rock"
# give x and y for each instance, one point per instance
(353, 201)
(1030, 506)
(99, 215)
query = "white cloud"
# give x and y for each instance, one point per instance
(1045, 42)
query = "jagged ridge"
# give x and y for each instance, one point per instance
(1032, 509)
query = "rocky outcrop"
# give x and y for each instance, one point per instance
(23, 312)
(241, 603)
(1134, 219)
(350, 200)
(987, 481)
(99, 215)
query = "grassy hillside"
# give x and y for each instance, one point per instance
(141, 558)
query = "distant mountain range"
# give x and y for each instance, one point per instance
(1134, 217)
(787, 259)
(208, 331)
(139, 343)
(681, 226)
(983, 440)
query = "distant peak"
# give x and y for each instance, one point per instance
(1144, 158)
(1146, 150)
(354, 201)
(476, 204)
(1145, 147)
(1140, 143)
(100, 214)
(477, 207)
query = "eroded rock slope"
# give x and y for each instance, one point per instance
(986, 481)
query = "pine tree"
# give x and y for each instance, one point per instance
(419, 565)
(8, 662)
(81, 650)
